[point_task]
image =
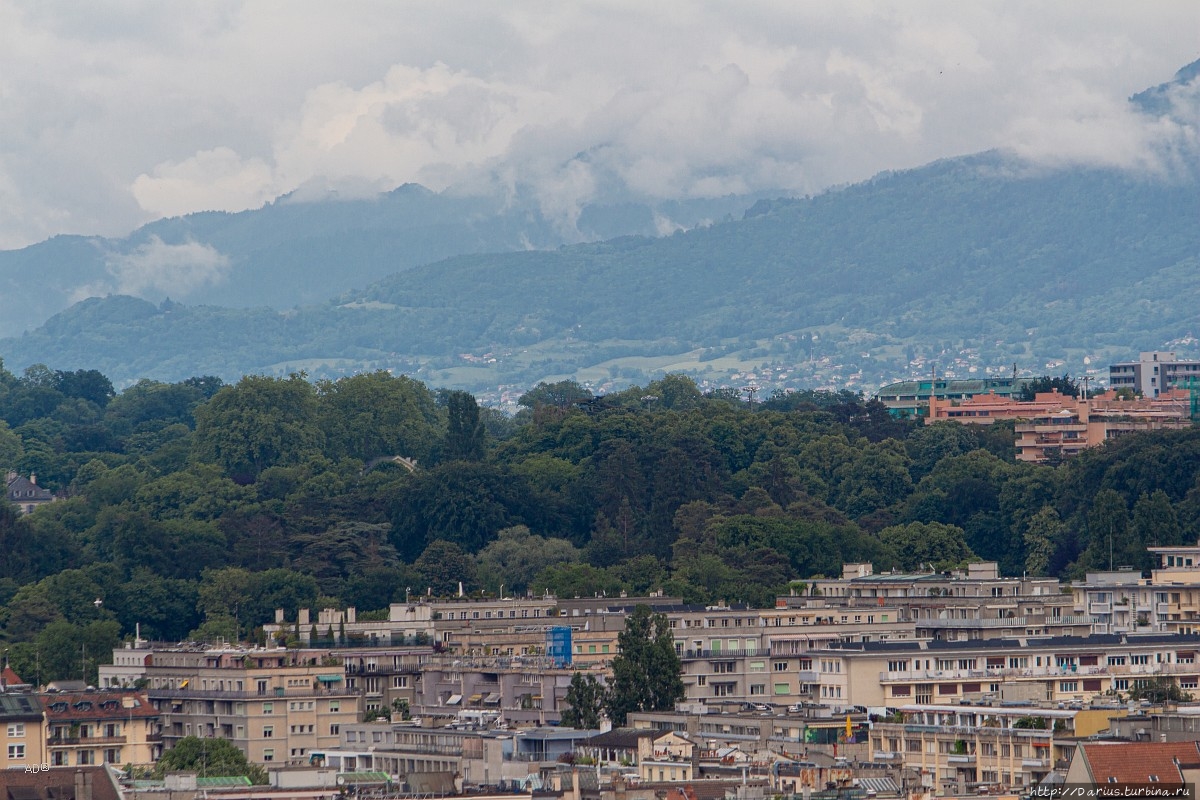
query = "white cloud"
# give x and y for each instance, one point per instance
(156, 269)
(130, 111)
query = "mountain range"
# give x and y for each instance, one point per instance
(969, 263)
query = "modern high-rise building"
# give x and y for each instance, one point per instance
(1154, 373)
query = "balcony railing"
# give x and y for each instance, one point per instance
(292, 692)
(63, 741)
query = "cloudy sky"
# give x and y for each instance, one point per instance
(117, 112)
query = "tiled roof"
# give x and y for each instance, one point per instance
(625, 738)
(11, 678)
(1140, 762)
(83, 706)
(57, 784)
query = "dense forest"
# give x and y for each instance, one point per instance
(193, 509)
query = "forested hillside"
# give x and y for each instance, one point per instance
(298, 251)
(195, 508)
(982, 253)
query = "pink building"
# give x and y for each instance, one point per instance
(1054, 425)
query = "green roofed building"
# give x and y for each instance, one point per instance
(911, 398)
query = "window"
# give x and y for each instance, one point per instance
(269, 754)
(86, 757)
(334, 730)
(113, 756)
(335, 705)
(758, 688)
(268, 709)
(16, 752)
(1142, 659)
(701, 680)
(16, 730)
(898, 666)
(1120, 684)
(782, 688)
(1068, 686)
(268, 732)
(781, 666)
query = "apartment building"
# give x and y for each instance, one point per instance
(518, 690)
(1056, 669)
(384, 676)
(423, 757)
(786, 733)
(1054, 425)
(911, 398)
(956, 749)
(1122, 601)
(975, 603)
(1154, 373)
(276, 705)
(23, 723)
(405, 624)
(85, 728)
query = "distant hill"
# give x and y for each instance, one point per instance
(965, 263)
(978, 252)
(294, 252)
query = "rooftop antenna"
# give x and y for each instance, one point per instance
(1085, 380)
(750, 391)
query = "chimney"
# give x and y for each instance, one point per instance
(33, 478)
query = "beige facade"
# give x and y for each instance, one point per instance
(88, 728)
(272, 705)
(959, 749)
(1122, 601)
(23, 725)
(1065, 669)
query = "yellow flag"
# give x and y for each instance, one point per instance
(185, 683)
(849, 728)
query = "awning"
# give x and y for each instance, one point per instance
(330, 678)
(454, 699)
(475, 698)
(492, 699)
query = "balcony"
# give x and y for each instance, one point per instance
(962, 758)
(991, 622)
(1100, 608)
(271, 694)
(90, 741)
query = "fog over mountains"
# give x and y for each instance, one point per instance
(984, 260)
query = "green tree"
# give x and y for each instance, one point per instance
(647, 673)
(1042, 534)
(1110, 542)
(584, 702)
(919, 543)
(367, 416)
(561, 395)
(210, 757)
(516, 556)
(464, 429)
(258, 423)
(442, 567)
(1155, 521)
(1064, 385)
